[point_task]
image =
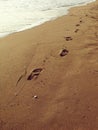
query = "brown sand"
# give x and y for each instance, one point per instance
(64, 82)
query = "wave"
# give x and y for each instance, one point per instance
(23, 14)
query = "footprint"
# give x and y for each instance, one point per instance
(35, 73)
(68, 38)
(86, 15)
(81, 21)
(77, 25)
(64, 52)
(76, 30)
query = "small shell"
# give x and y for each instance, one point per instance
(35, 96)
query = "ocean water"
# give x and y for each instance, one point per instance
(18, 15)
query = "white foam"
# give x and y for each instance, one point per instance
(18, 15)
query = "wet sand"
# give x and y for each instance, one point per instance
(49, 74)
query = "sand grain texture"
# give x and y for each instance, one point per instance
(66, 86)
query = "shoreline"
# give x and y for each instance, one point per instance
(49, 74)
(52, 19)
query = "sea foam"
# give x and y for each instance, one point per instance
(18, 15)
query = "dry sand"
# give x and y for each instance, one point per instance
(42, 89)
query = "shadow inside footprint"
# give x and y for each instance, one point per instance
(80, 21)
(68, 38)
(63, 52)
(76, 30)
(34, 74)
(77, 25)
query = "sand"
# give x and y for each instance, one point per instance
(49, 74)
